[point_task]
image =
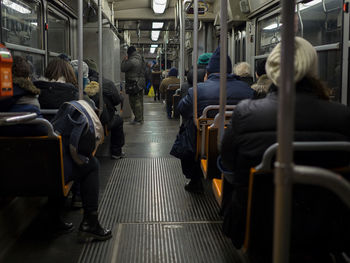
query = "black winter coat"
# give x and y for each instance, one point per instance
(54, 94)
(254, 125)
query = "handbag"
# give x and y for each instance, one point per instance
(131, 87)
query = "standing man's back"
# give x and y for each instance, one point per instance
(133, 65)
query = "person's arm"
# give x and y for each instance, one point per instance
(126, 65)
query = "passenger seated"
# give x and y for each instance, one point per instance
(243, 70)
(24, 99)
(261, 87)
(171, 79)
(202, 63)
(254, 125)
(184, 147)
(109, 116)
(58, 85)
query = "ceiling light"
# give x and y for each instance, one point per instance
(155, 35)
(272, 26)
(152, 50)
(154, 45)
(16, 7)
(159, 6)
(307, 5)
(157, 25)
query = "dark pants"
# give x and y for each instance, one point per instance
(88, 177)
(156, 92)
(191, 168)
(117, 135)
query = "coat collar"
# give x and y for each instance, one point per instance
(26, 84)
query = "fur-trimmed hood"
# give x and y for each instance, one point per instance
(92, 88)
(26, 85)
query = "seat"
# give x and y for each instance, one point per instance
(170, 92)
(33, 165)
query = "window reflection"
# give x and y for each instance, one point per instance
(322, 21)
(35, 61)
(58, 39)
(269, 34)
(21, 23)
(329, 63)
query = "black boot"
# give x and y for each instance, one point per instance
(194, 186)
(90, 229)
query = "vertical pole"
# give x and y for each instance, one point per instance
(194, 61)
(285, 130)
(182, 43)
(223, 67)
(100, 57)
(165, 55)
(345, 62)
(80, 48)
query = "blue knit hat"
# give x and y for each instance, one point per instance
(214, 63)
(204, 59)
(172, 72)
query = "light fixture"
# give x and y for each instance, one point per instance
(153, 48)
(34, 24)
(272, 26)
(155, 35)
(157, 25)
(16, 7)
(159, 6)
(307, 5)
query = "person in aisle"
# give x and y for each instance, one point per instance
(155, 81)
(184, 147)
(164, 85)
(133, 67)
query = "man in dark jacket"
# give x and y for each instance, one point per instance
(109, 116)
(155, 80)
(208, 94)
(133, 67)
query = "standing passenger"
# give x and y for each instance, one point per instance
(155, 80)
(171, 79)
(208, 93)
(133, 65)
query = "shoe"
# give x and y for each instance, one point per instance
(58, 226)
(118, 156)
(136, 122)
(90, 229)
(194, 186)
(76, 201)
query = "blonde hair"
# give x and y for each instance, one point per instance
(242, 69)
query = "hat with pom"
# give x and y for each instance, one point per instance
(305, 61)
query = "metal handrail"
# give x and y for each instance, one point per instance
(216, 122)
(270, 152)
(215, 107)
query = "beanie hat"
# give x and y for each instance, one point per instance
(92, 64)
(172, 72)
(214, 63)
(131, 50)
(75, 63)
(204, 59)
(64, 57)
(305, 61)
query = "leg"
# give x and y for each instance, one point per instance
(132, 101)
(138, 107)
(117, 136)
(192, 170)
(90, 228)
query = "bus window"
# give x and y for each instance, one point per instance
(322, 22)
(21, 23)
(329, 70)
(58, 33)
(269, 34)
(35, 61)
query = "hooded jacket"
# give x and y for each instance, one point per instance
(133, 67)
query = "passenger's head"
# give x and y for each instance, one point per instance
(58, 68)
(204, 58)
(305, 61)
(172, 72)
(20, 67)
(260, 68)
(74, 64)
(64, 57)
(131, 50)
(214, 63)
(91, 64)
(242, 69)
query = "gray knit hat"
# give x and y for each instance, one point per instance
(305, 61)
